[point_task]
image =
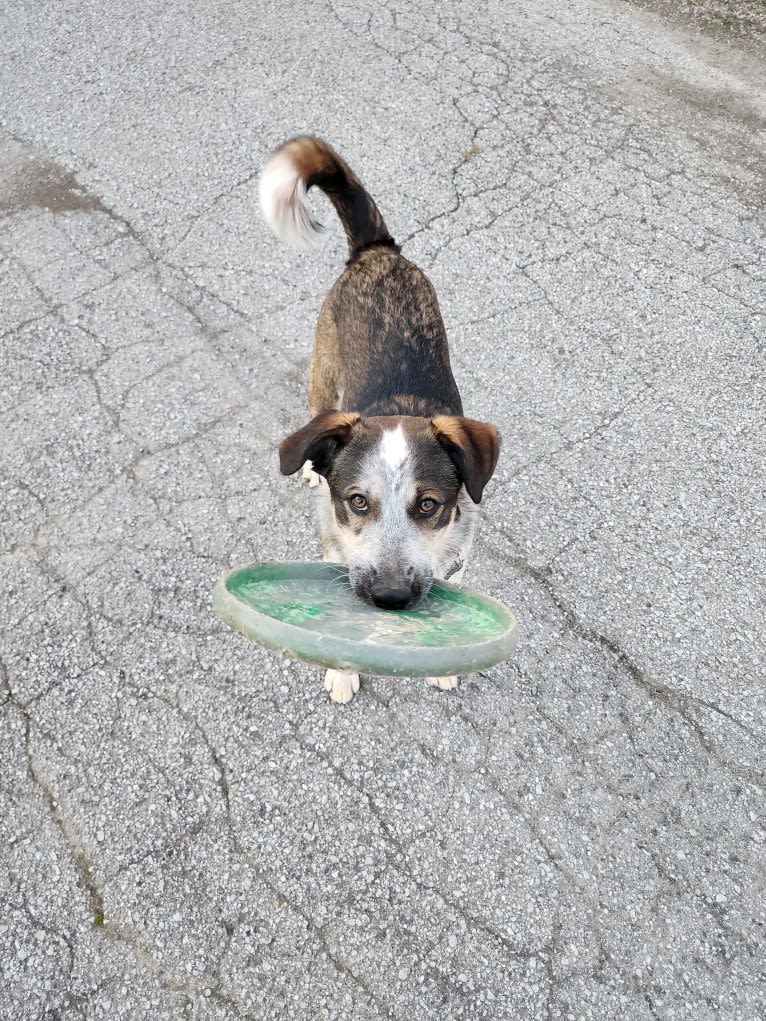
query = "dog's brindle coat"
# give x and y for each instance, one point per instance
(403, 470)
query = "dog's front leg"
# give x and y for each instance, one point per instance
(341, 684)
(309, 475)
(448, 683)
(443, 683)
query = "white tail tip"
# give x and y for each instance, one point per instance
(283, 201)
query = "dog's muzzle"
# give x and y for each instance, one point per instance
(388, 598)
(391, 593)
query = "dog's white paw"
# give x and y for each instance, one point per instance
(443, 683)
(341, 684)
(309, 475)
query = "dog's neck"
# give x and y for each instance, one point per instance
(409, 404)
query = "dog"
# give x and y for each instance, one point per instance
(401, 471)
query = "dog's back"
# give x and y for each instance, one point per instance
(380, 338)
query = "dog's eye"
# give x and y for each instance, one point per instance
(427, 507)
(358, 503)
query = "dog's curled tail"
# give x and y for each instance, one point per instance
(303, 163)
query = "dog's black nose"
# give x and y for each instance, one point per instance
(390, 598)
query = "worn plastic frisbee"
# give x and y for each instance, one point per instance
(308, 611)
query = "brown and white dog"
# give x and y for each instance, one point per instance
(401, 469)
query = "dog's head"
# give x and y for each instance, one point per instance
(402, 494)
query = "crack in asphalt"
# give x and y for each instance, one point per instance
(66, 194)
(188, 990)
(317, 929)
(670, 698)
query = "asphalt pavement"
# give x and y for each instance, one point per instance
(189, 828)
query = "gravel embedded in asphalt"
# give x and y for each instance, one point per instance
(188, 827)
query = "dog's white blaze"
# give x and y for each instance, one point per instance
(394, 447)
(283, 202)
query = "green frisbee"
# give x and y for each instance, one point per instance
(308, 611)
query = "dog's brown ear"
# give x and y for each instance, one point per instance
(474, 448)
(318, 442)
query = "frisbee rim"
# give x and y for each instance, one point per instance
(371, 658)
